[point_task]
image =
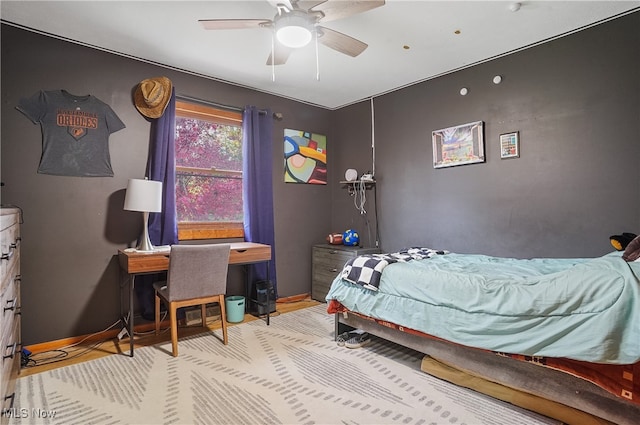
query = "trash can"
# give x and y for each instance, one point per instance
(235, 308)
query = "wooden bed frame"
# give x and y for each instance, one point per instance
(555, 393)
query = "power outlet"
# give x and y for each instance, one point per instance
(193, 315)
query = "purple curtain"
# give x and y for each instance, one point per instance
(257, 190)
(163, 227)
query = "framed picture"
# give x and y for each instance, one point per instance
(459, 145)
(305, 157)
(510, 145)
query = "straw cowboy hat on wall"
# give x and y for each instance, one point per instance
(152, 96)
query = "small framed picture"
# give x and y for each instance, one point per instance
(510, 145)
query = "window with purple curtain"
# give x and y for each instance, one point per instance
(163, 229)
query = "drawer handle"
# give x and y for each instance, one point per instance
(11, 397)
(13, 351)
(11, 304)
(12, 248)
(333, 270)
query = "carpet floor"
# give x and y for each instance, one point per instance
(290, 372)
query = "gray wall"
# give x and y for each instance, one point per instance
(575, 102)
(74, 226)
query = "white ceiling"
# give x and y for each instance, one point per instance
(168, 33)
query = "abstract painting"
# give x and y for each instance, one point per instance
(305, 157)
(459, 145)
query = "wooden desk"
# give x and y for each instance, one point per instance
(135, 263)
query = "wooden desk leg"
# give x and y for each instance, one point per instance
(131, 290)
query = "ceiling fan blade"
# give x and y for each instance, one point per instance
(308, 4)
(281, 55)
(338, 9)
(340, 42)
(275, 3)
(234, 24)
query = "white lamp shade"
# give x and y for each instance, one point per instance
(143, 195)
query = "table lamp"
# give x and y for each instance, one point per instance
(144, 196)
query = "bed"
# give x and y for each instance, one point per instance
(563, 331)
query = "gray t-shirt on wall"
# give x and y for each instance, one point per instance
(75, 132)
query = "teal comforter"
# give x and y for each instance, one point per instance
(584, 309)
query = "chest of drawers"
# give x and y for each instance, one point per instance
(10, 339)
(327, 262)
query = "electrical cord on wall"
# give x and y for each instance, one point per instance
(358, 191)
(375, 214)
(65, 353)
(360, 197)
(33, 359)
(62, 353)
(368, 224)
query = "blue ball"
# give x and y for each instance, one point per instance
(350, 237)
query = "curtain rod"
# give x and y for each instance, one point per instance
(209, 103)
(276, 115)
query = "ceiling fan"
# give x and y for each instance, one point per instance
(296, 22)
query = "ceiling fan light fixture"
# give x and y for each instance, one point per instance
(293, 30)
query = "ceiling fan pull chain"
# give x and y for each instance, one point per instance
(273, 57)
(317, 58)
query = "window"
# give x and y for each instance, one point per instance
(208, 154)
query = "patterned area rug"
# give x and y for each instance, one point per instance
(290, 372)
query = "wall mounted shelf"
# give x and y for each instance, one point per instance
(356, 184)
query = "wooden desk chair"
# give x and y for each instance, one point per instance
(197, 275)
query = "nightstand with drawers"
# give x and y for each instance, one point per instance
(327, 262)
